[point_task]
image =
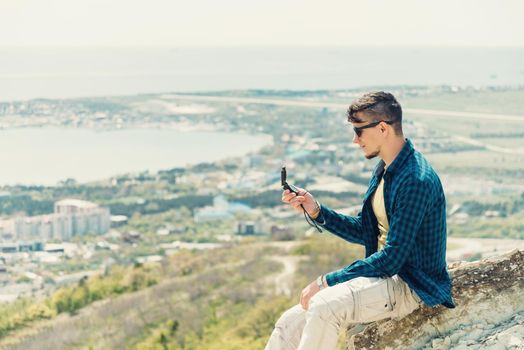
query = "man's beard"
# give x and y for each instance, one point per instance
(372, 155)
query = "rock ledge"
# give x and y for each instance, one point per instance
(489, 295)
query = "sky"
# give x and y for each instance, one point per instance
(177, 23)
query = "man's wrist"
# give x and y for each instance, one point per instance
(321, 282)
(316, 211)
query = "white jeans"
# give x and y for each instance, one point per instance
(360, 300)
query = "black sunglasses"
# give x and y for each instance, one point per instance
(359, 130)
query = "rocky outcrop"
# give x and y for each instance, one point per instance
(489, 295)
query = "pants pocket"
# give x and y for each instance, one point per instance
(375, 302)
(406, 299)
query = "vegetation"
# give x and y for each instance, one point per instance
(219, 299)
(70, 299)
(231, 325)
(24, 204)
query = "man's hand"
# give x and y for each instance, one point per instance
(308, 293)
(305, 198)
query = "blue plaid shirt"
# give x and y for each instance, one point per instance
(415, 246)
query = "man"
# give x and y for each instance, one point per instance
(402, 226)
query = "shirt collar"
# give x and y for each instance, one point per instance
(405, 152)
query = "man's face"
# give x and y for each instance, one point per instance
(370, 139)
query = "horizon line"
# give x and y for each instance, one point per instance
(196, 46)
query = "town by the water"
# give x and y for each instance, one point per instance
(57, 236)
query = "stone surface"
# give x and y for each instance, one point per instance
(489, 295)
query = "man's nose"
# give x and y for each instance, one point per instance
(355, 138)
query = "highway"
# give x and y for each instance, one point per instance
(344, 106)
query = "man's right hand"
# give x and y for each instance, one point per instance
(305, 198)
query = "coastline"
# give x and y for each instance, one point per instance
(48, 155)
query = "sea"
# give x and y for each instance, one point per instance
(46, 156)
(49, 155)
(28, 73)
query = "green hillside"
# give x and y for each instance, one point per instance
(217, 299)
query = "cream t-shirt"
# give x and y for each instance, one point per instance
(379, 207)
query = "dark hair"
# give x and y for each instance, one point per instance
(379, 105)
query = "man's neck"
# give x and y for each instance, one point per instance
(391, 151)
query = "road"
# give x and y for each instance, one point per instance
(486, 246)
(422, 112)
(489, 147)
(283, 280)
(321, 104)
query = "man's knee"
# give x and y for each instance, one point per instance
(325, 309)
(335, 304)
(288, 329)
(290, 317)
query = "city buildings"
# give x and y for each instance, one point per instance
(71, 217)
(221, 209)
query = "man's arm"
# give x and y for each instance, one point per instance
(346, 227)
(408, 213)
